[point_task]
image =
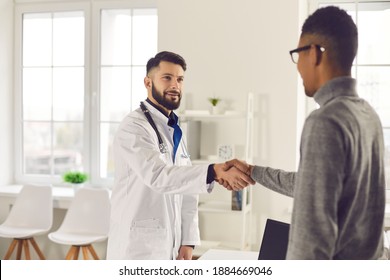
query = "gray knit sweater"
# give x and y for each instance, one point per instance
(339, 188)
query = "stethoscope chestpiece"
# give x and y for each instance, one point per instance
(163, 148)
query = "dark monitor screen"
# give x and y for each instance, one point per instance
(275, 241)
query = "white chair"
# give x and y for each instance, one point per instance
(86, 222)
(31, 215)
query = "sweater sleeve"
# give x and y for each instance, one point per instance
(275, 179)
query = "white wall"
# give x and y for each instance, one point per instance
(233, 47)
(6, 85)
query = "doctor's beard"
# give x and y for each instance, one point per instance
(163, 101)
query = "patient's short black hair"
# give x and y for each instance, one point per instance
(337, 31)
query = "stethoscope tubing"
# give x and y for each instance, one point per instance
(161, 145)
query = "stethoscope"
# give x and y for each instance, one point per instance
(161, 145)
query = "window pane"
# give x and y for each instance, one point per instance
(68, 147)
(116, 37)
(68, 93)
(115, 93)
(374, 38)
(374, 86)
(68, 39)
(37, 37)
(144, 35)
(36, 147)
(128, 41)
(107, 132)
(138, 88)
(37, 93)
(53, 93)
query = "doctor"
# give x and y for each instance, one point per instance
(154, 212)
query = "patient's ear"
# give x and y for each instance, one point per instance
(318, 56)
(313, 56)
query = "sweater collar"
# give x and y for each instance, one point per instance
(340, 86)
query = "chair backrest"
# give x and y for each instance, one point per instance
(88, 213)
(33, 208)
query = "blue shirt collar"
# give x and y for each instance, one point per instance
(173, 119)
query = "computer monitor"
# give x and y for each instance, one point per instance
(275, 241)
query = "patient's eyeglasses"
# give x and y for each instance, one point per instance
(295, 53)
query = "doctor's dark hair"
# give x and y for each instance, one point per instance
(165, 56)
(336, 32)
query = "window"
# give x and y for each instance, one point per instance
(75, 82)
(372, 64)
(53, 92)
(129, 39)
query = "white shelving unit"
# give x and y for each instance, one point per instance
(218, 203)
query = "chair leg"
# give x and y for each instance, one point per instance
(26, 249)
(76, 253)
(85, 252)
(10, 249)
(92, 251)
(23, 243)
(73, 253)
(20, 249)
(37, 250)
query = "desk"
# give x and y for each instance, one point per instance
(62, 196)
(217, 254)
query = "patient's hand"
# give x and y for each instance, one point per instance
(231, 177)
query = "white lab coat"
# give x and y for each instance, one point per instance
(154, 203)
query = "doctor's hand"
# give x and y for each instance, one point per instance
(185, 253)
(231, 177)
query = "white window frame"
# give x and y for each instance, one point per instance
(91, 9)
(20, 9)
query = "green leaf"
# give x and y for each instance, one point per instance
(75, 177)
(214, 101)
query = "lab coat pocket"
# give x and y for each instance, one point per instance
(148, 241)
(147, 223)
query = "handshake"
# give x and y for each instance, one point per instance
(234, 174)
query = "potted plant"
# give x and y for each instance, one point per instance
(75, 178)
(214, 102)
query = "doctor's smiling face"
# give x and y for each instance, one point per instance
(164, 84)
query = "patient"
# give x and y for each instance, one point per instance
(339, 188)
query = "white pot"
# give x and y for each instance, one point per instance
(215, 110)
(76, 187)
